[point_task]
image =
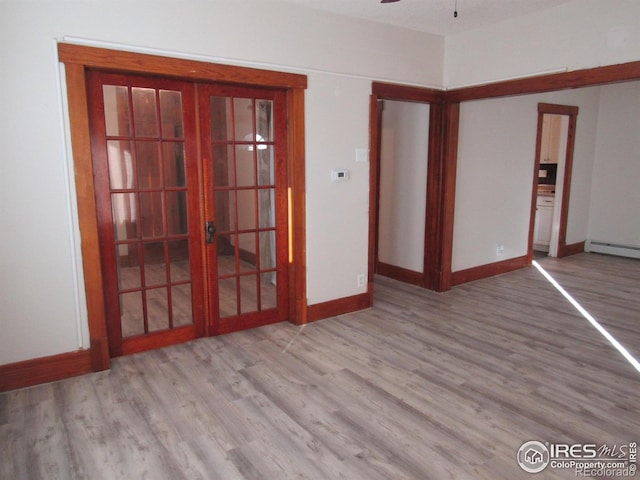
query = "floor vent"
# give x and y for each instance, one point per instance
(612, 249)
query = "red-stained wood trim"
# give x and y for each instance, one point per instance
(297, 221)
(87, 218)
(340, 306)
(451, 123)
(534, 189)
(406, 93)
(435, 186)
(130, 62)
(45, 369)
(488, 270)
(204, 200)
(402, 274)
(555, 109)
(155, 340)
(568, 174)
(375, 114)
(571, 249)
(249, 320)
(547, 83)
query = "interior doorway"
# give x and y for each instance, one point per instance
(417, 117)
(552, 181)
(80, 59)
(403, 154)
(192, 203)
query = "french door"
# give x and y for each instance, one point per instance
(244, 205)
(192, 208)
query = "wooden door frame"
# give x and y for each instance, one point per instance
(434, 229)
(572, 113)
(444, 177)
(552, 82)
(77, 60)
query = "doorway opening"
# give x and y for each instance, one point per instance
(179, 228)
(552, 181)
(403, 154)
(406, 185)
(155, 210)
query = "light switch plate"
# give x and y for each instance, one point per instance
(362, 155)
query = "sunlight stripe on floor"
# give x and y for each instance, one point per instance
(625, 353)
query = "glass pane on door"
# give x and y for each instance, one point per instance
(117, 116)
(243, 163)
(148, 190)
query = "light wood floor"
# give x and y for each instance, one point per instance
(422, 386)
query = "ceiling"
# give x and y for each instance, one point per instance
(433, 16)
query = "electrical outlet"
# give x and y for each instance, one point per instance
(362, 279)
(500, 249)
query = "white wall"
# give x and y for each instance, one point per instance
(615, 194)
(42, 310)
(39, 312)
(576, 35)
(496, 154)
(403, 188)
(337, 213)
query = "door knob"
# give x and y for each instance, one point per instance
(210, 229)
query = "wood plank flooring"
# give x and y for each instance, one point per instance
(421, 386)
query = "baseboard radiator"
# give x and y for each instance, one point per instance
(612, 249)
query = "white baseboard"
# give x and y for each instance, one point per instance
(619, 250)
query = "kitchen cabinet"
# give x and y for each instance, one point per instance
(550, 141)
(543, 222)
